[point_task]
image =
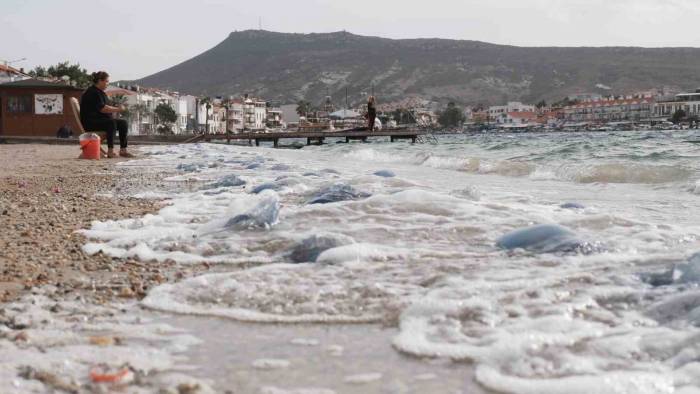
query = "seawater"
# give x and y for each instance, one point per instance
(413, 243)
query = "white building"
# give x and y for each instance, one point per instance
(499, 113)
(688, 102)
(235, 116)
(141, 106)
(254, 114)
(9, 74)
(274, 116)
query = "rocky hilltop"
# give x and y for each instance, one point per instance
(288, 67)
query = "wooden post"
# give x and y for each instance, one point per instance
(257, 142)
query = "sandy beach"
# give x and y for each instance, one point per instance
(46, 194)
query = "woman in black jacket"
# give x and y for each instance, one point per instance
(96, 115)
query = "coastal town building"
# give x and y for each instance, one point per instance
(142, 102)
(10, 74)
(254, 114)
(33, 107)
(234, 118)
(520, 118)
(211, 116)
(610, 110)
(688, 102)
(499, 113)
(274, 115)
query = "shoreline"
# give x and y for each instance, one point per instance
(63, 306)
(46, 195)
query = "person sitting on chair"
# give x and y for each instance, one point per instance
(96, 115)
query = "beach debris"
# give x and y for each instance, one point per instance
(188, 388)
(126, 292)
(311, 247)
(48, 379)
(55, 189)
(264, 215)
(280, 167)
(572, 205)
(22, 184)
(682, 306)
(227, 181)
(470, 193)
(189, 167)
(385, 173)
(687, 272)
(22, 336)
(104, 374)
(336, 193)
(543, 238)
(104, 341)
(265, 186)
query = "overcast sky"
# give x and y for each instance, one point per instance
(135, 38)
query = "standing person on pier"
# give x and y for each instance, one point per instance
(371, 113)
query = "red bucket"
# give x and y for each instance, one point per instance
(90, 145)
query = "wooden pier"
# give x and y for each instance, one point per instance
(316, 137)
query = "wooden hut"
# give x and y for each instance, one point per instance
(34, 107)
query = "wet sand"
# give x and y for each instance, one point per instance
(350, 359)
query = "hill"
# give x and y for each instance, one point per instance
(288, 67)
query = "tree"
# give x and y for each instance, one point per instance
(453, 116)
(79, 76)
(303, 107)
(541, 104)
(678, 116)
(166, 116)
(120, 100)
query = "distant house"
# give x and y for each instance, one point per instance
(234, 116)
(32, 107)
(688, 102)
(521, 118)
(498, 113)
(274, 115)
(9, 74)
(254, 114)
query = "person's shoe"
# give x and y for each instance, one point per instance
(124, 153)
(111, 154)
